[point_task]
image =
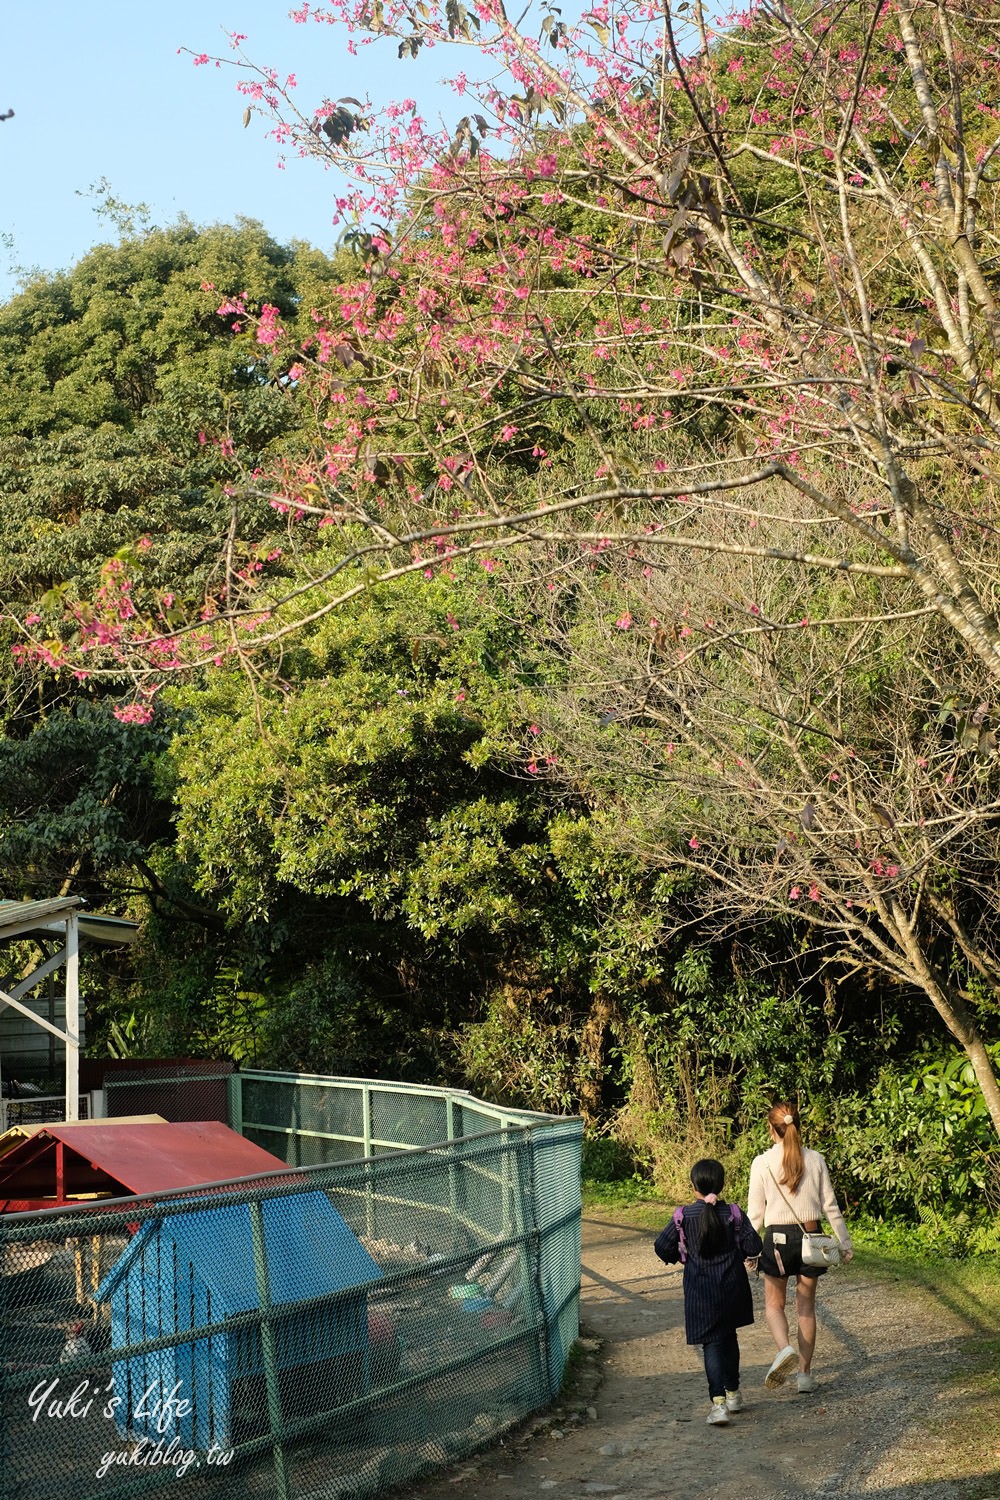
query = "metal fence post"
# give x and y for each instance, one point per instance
(508, 1184)
(366, 1130)
(449, 1112)
(267, 1346)
(529, 1208)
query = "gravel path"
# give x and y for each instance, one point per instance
(633, 1423)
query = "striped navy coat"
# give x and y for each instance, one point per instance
(717, 1296)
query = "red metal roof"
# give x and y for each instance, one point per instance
(122, 1159)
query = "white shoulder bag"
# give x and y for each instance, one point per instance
(819, 1251)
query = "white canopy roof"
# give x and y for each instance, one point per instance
(60, 919)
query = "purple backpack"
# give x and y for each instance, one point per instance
(678, 1219)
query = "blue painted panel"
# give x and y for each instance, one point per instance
(310, 1251)
(195, 1269)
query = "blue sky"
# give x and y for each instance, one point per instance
(99, 91)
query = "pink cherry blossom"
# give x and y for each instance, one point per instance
(133, 713)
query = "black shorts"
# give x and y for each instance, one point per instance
(782, 1255)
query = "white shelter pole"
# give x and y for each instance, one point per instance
(72, 1017)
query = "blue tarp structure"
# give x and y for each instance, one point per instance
(190, 1271)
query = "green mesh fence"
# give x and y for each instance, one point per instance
(309, 1120)
(330, 1331)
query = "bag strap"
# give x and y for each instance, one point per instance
(787, 1204)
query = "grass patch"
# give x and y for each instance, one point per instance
(613, 1178)
(634, 1200)
(624, 1194)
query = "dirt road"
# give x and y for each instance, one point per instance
(633, 1424)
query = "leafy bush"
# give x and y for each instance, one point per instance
(919, 1143)
(606, 1160)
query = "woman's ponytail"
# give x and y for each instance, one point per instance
(783, 1118)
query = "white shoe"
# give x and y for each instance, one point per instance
(734, 1401)
(718, 1416)
(781, 1366)
(807, 1384)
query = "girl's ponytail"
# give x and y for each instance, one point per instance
(707, 1178)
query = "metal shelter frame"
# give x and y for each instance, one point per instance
(61, 919)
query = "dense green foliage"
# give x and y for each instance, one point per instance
(122, 397)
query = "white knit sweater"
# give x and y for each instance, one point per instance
(814, 1199)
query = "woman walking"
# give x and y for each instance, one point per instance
(790, 1191)
(712, 1238)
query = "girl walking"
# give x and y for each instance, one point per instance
(712, 1239)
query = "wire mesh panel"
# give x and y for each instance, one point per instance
(306, 1119)
(555, 1170)
(399, 1116)
(194, 1094)
(36, 1109)
(326, 1331)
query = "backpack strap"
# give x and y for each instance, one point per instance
(678, 1222)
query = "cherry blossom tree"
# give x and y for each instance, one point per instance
(838, 777)
(654, 267)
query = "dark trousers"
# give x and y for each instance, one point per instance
(722, 1363)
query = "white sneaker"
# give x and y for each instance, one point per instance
(718, 1416)
(734, 1401)
(781, 1366)
(807, 1384)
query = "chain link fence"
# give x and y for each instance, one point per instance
(328, 1331)
(309, 1119)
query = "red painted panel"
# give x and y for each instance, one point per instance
(129, 1158)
